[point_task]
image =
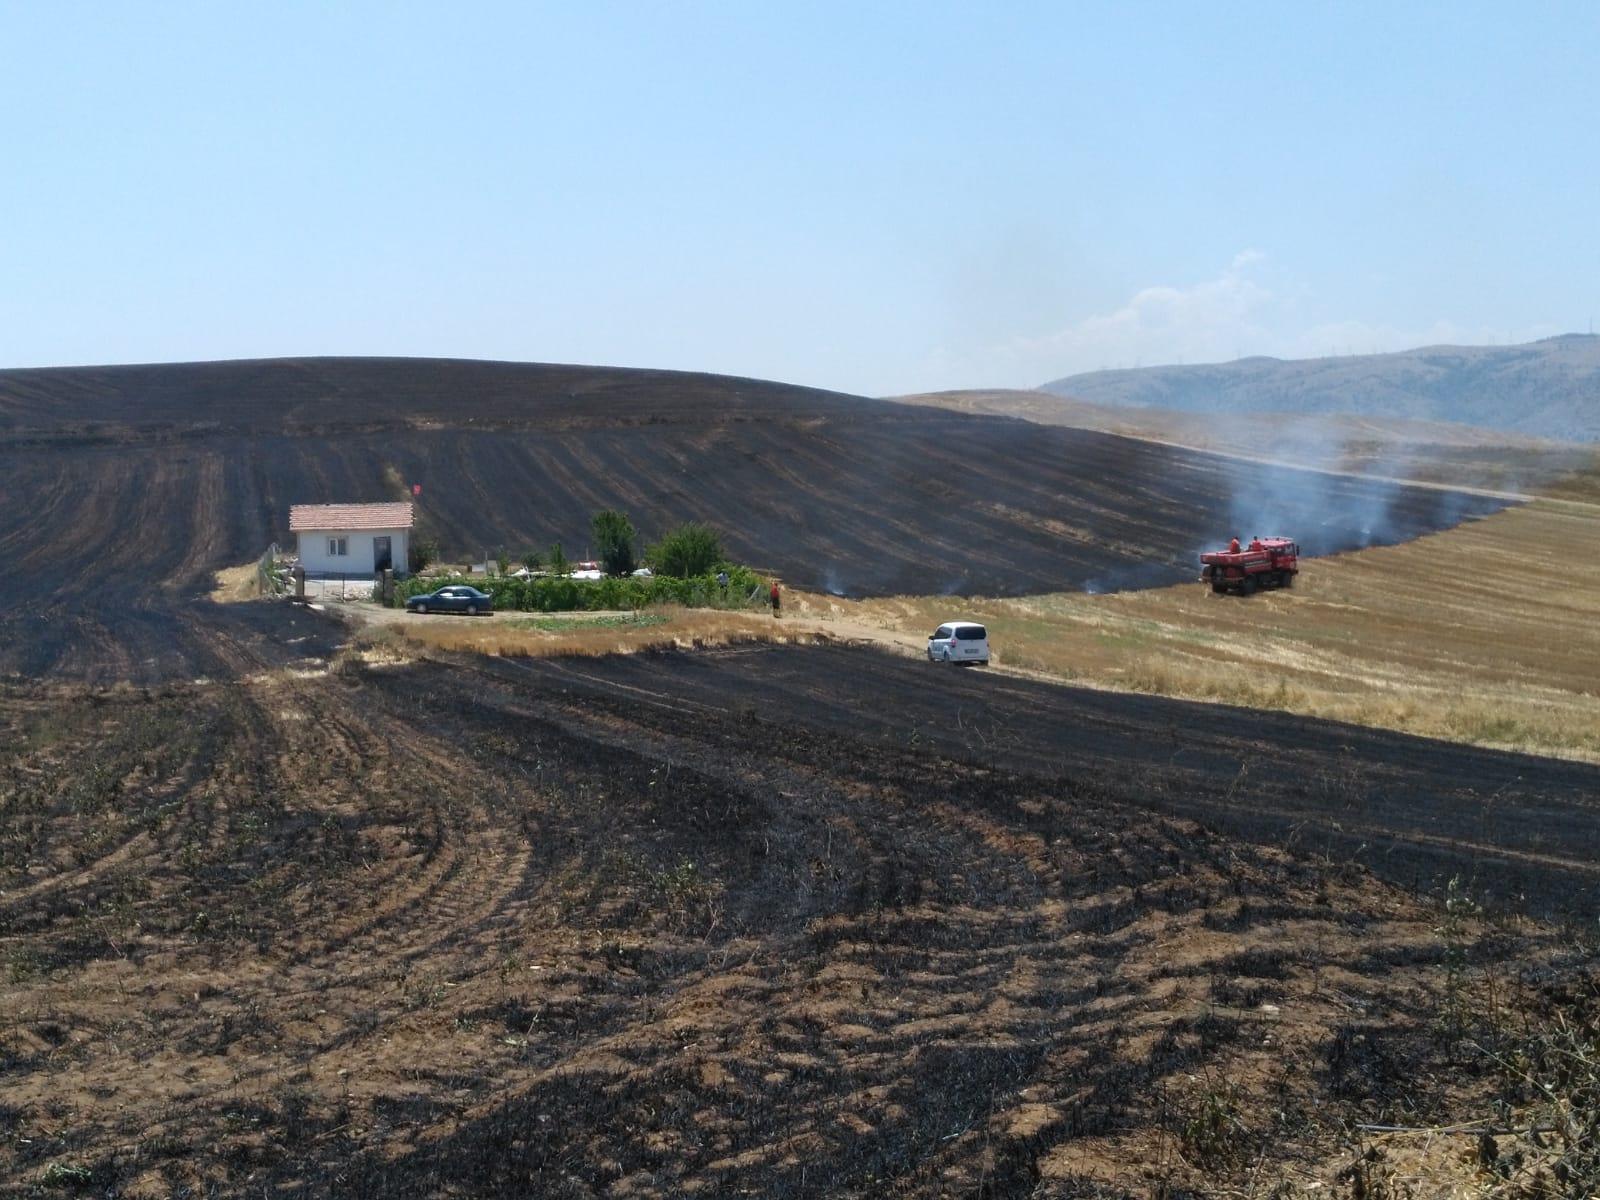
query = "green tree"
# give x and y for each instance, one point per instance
(689, 550)
(424, 552)
(558, 560)
(532, 560)
(613, 539)
(502, 560)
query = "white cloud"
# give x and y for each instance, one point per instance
(1232, 315)
(1218, 320)
(1212, 320)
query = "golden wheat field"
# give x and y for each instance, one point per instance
(1488, 633)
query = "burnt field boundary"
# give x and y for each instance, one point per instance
(786, 922)
(165, 473)
(1520, 832)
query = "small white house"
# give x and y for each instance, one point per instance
(352, 539)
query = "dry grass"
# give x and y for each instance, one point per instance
(1482, 634)
(234, 585)
(668, 629)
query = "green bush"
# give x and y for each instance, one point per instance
(613, 541)
(561, 594)
(424, 553)
(688, 550)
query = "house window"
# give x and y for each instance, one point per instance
(338, 547)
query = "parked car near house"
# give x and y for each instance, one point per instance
(959, 642)
(457, 597)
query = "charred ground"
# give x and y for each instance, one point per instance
(124, 488)
(278, 917)
(779, 922)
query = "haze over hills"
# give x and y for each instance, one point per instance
(1548, 389)
(1440, 452)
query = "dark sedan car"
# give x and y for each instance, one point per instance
(458, 597)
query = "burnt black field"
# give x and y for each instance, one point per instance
(123, 488)
(279, 917)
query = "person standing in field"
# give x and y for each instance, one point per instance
(775, 598)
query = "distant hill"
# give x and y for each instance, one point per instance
(1391, 447)
(1548, 389)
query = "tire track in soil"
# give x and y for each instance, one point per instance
(780, 947)
(907, 954)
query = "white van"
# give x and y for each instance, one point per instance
(959, 642)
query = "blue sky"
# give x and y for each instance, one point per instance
(879, 198)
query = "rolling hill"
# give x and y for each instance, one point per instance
(125, 488)
(1549, 388)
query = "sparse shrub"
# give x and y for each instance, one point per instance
(347, 662)
(424, 992)
(558, 560)
(1555, 1065)
(423, 553)
(613, 541)
(688, 550)
(686, 896)
(1212, 1135)
(23, 963)
(1370, 1176)
(1459, 910)
(503, 561)
(66, 1175)
(533, 560)
(680, 883)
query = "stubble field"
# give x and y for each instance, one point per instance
(1480, 634)
(804, 921)
(288, 912)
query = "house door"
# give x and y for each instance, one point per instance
(382, 557)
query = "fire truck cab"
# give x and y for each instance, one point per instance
(1266, 563)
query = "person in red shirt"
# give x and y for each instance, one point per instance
(1255, 544)
(1233, 546)
(774, 597)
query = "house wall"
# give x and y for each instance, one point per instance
(314, 556)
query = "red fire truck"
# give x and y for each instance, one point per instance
(1265, 563)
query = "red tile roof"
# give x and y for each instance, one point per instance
(349, 516)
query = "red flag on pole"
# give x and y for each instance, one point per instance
(416, 489)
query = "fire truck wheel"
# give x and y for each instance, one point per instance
(1288, 579)
(1250, 585)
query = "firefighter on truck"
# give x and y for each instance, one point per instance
(1271, 562)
